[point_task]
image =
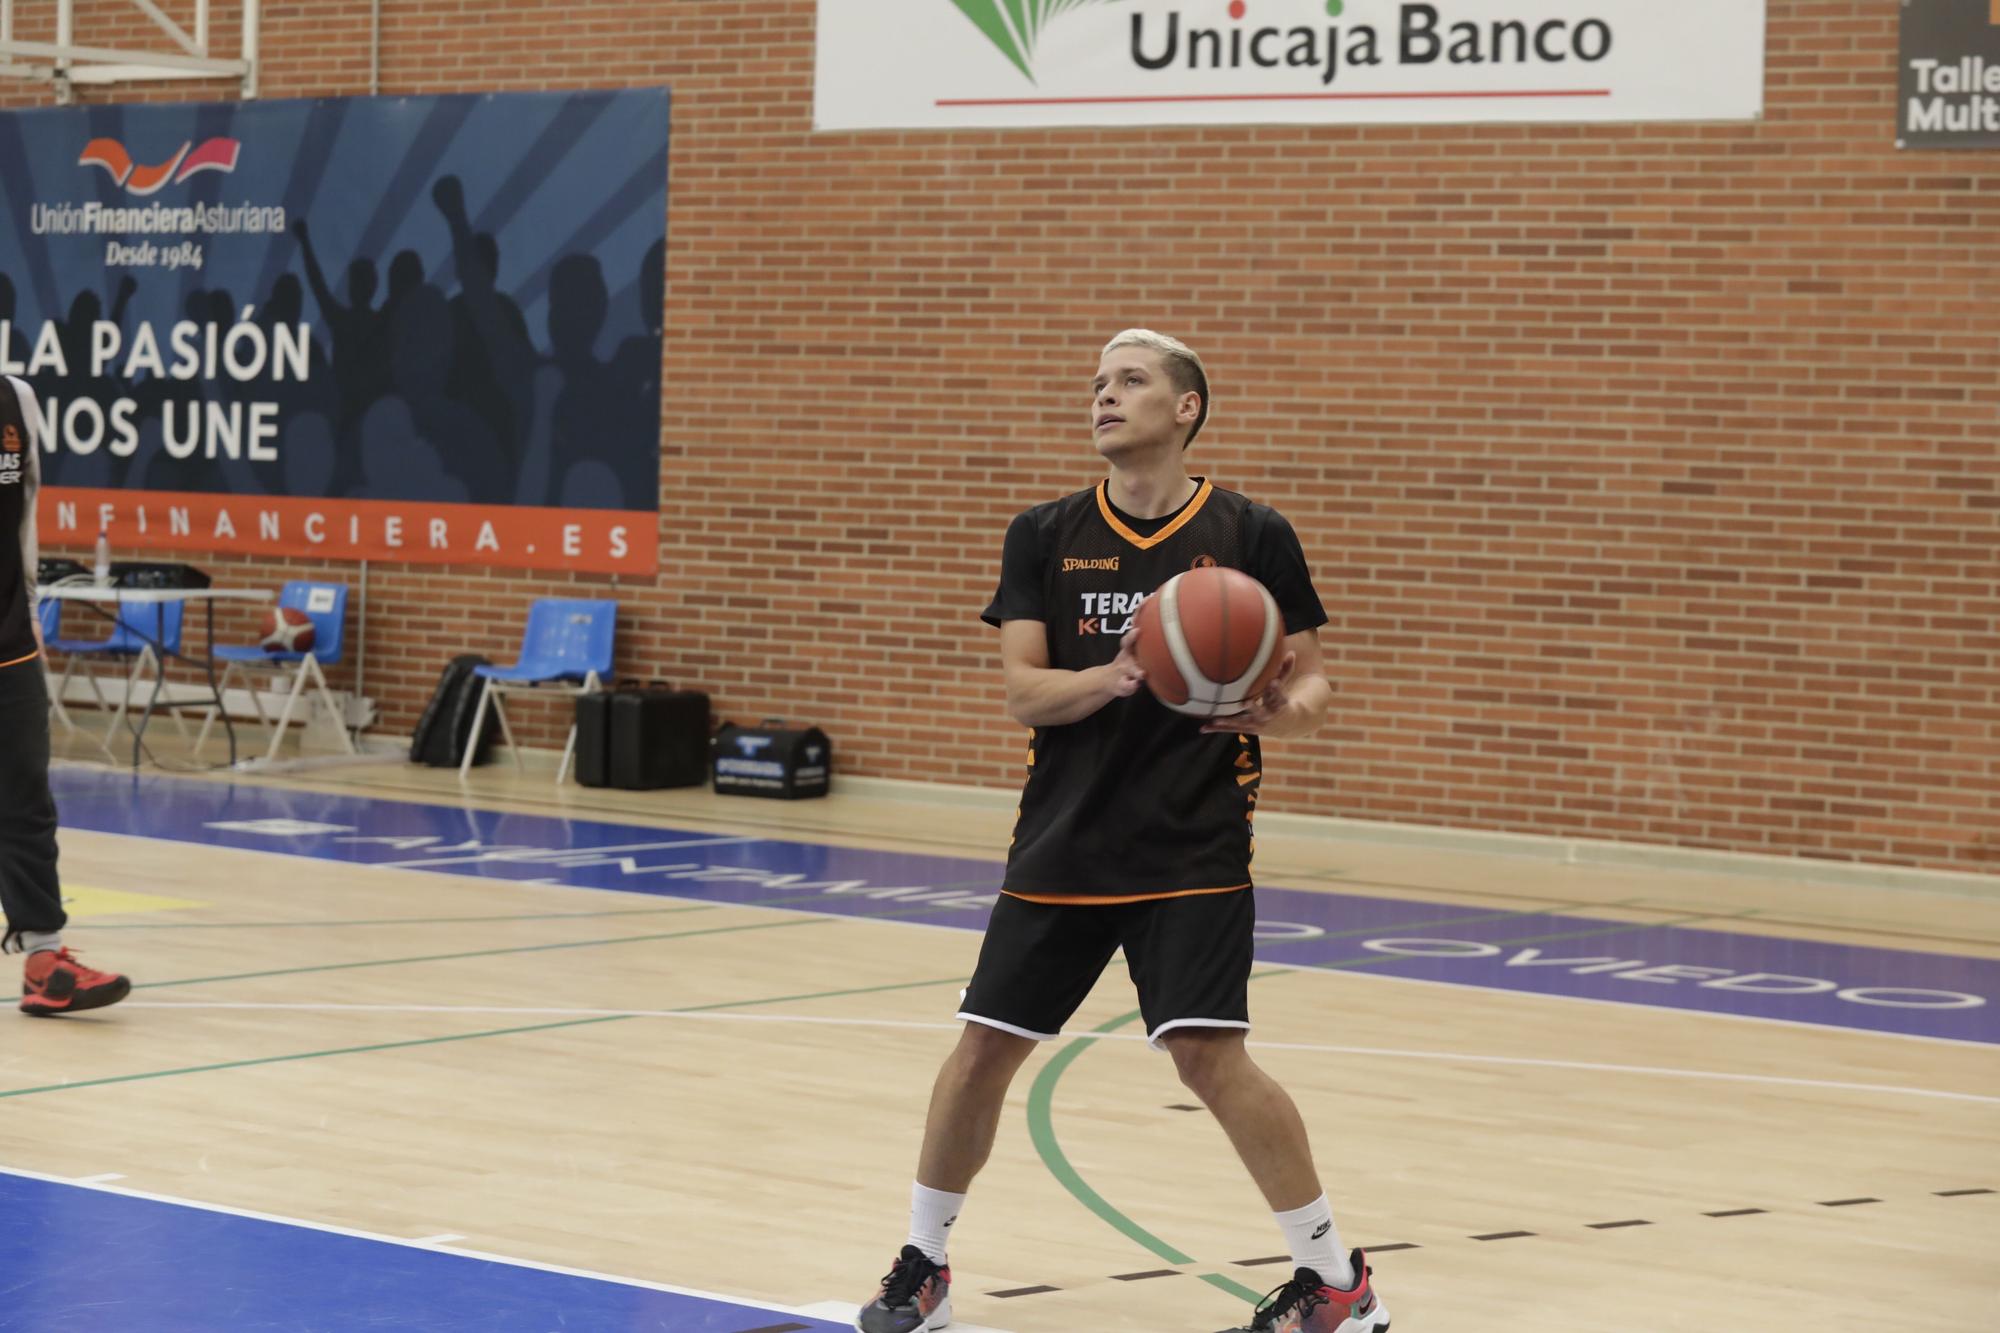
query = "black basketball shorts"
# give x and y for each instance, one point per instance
(1189, 958)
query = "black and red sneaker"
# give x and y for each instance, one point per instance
(915, 1296)
(1308, 1304)
(53, 982)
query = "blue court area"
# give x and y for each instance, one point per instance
(1698, 965)
(122, 1261)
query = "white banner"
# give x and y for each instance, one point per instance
(889, 64)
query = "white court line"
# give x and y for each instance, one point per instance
(104, 1179)
(442, 1238)
(845, 1311)
(1586, 1066)
(403, 1242)
(522, 855)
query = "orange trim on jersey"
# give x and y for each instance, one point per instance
(17, 661)
(1087, 899)
(1148, 543)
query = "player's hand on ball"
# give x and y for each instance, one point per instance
(1262, 711)
(1126, 673)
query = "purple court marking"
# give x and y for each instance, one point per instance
(1895, 991)
(1714, 971)
(76, 1256)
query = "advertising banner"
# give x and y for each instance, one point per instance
(1948, 93)
(422, 329)
(890, 64)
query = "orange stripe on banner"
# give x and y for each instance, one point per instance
(604, 541)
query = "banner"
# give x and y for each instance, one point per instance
(1949, 80)
(888, 64)
(419, 329)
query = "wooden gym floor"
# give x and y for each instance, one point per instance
(675, 1048)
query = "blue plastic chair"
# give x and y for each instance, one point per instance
(141, 634)
(325, 604)
(49, 612)
(565, 650)
(138, 626)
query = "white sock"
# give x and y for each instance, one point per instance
(33, 941)
(931, 1214)
(1315, 1242)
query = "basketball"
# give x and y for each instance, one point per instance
(1210, 641)
(287, 630)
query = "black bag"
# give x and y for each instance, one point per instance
(156, 574)
(593, 739)
(446, 724)
(772, 760)
(641, 736)
(50, 568)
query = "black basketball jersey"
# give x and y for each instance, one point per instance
(1135, 801)
(17, 473)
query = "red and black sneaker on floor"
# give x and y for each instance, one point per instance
(915, 1296)
(53, 982)
(1308, 1305)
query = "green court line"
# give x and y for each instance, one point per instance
(1041, 1130)
(468, 1036)
(488, 953)
(1233, 1287)
(311, 1055)
(1041, 1095)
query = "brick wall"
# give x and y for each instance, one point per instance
(1650, 473)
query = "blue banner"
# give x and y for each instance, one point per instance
(421, 328)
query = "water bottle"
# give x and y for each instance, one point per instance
(102, 569)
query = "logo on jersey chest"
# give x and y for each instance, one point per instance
(1108, 612)
(1072, 563)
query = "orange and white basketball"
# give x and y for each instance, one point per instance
(1210, 640)
(287, 630)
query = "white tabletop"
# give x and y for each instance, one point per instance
(90, 592)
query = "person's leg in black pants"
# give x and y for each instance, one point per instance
(30, 889)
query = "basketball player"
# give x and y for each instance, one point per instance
(53, 982)
(1134, 832)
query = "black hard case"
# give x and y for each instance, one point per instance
(641, 737)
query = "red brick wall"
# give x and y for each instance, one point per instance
(1649, 472)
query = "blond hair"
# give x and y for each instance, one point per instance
(1183, 367)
